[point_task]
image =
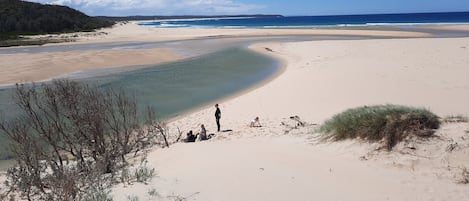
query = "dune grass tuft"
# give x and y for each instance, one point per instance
(456, 119)
(387, 123)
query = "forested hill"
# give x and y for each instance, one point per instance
(21, 17)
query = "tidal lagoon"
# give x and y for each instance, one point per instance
(174, 88)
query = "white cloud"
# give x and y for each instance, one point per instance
(156, 7)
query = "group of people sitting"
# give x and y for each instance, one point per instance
(202, 135)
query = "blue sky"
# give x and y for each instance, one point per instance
(284, 7)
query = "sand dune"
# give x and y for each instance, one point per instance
(321, 79)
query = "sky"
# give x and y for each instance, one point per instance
(283, 7)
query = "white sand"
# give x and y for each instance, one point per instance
(28, 67)
(133, 32)
(460, 27)
(322, 79)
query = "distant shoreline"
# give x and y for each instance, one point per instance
(362, 20)
(181, 17)
(260, 21)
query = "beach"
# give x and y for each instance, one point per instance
(269, 163)
(281, 161)
(28, 67)
(24, 68)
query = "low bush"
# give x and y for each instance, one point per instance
(388, 123)
(143, 174)
(71, 140)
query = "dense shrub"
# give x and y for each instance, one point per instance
(71, 139)
(387, 123)
(21, 17)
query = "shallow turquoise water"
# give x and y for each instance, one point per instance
(171, 89)
(177, 87)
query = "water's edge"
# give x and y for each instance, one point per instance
(175, 88)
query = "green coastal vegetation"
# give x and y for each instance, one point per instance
(389, 124)
(21, 18)
(26, 18)
(73, 141)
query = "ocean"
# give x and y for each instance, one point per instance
(318, 21)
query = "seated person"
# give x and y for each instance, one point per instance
(203, 133)
(191, 137)
(255, 123)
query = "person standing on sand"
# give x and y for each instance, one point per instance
(217, 116)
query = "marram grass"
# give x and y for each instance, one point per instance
(387, 123)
